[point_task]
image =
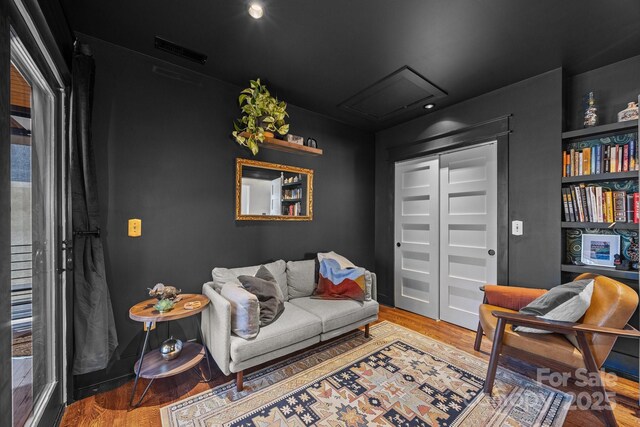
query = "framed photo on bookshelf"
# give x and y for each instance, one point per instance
(600, 249)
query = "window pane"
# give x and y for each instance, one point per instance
(33, 222)
(21, 248)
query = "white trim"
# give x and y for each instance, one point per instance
(41, 45)
(26, 66)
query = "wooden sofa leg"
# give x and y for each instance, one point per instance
(589, 362)
(366, 331)
(479, 332)
(495, 355)
(239, 385)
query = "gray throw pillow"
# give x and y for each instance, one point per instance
(566, 303)
(301, 278)
(269, 294)
(277, 268)
(245, 310)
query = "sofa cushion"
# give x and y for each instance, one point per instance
(269, 294)
(277, 268)
(337, 313)
(245, 310)
(301, 278)
(293, 325)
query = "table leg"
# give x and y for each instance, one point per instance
(206, 351)
(135, 383)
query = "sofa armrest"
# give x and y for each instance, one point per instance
(216, 327)
(374, 286)
(511, 297)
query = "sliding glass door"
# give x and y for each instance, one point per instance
(34, 200)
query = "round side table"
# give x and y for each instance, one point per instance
(151, 365)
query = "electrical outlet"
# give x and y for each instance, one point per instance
(516, 228)
(135, 227)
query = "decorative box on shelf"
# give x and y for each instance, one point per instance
(295, 139)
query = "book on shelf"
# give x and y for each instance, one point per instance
(294, 209)
(565, 204)
(586, 161)
(608, 206)
(577, 203)
(619, 211)
(602, 158)
(594, 203)
(629, 207)
(598, 167)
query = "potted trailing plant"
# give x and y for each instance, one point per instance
(262, 116)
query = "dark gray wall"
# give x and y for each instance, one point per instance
(164, 154)
(614, 86)
(534, 175)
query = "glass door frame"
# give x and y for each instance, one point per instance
(27, 24)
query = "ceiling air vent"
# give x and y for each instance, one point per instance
(399, 92)
(180, 51)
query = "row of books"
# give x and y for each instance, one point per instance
(600, 159)
(295, 193)
(594, 203)
(294, 209)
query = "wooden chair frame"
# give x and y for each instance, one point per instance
(577, 329)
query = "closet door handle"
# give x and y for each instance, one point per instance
(492, 252)
(398, 244)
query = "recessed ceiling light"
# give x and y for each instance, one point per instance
(256, 11)
(429, 106)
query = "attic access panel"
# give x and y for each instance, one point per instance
(400, 91)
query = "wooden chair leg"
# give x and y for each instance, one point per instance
(495, 355)
(590, 363)
(479, 332)
(366, 331)
(239, 385)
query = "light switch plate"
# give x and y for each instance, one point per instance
(135, 227)
(516, 228)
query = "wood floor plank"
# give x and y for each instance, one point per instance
(111, 408)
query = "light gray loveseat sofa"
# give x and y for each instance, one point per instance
(305, 321)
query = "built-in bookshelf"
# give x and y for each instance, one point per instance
(293, 198)
(600, 194)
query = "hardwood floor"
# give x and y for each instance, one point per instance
(22, 388)
(111, 408)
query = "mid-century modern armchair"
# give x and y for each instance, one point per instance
(612, 305)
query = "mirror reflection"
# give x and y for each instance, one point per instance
(268, 191)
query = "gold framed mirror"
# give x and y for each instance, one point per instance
(273, 192)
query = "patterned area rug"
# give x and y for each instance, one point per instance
(397, 377)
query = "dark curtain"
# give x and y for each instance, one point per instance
(94, 329)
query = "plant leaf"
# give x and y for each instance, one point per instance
(283, 130)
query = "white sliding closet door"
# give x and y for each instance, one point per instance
(416, 274)
(468, 231)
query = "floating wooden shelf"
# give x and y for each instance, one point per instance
(611, 128)
(287, 147)
(605, 271)
(604, 225)
(614, 176)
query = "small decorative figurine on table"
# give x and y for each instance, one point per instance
(162, 291)
(167, 296)
(171, 348)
